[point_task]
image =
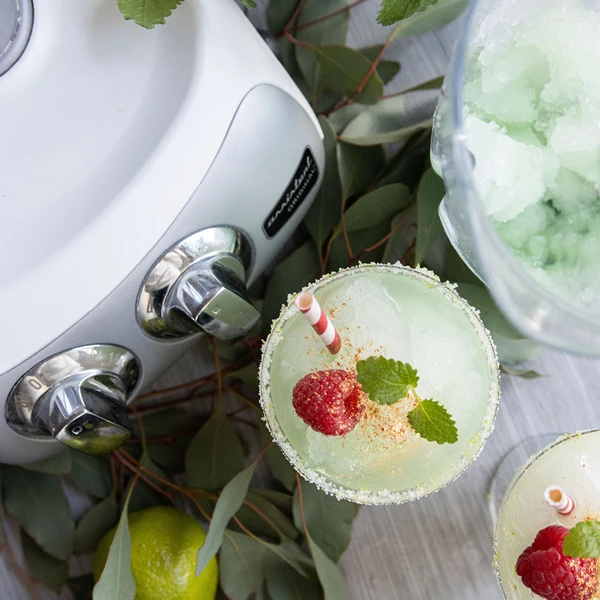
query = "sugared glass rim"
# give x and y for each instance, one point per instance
(563, 438)
(473, 448)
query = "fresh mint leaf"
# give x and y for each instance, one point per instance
(384, 380)
(248, 3)
(583, 540)
(147, 13)
(433, 422)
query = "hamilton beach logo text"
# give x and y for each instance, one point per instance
(298, 189)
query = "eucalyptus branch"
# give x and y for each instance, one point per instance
(329, 16)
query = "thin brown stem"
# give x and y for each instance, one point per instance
(244, 421)
(345, 231)
(288, 36)
(142, 429)
(113, 475)
(301, 505)
(137, 471)
(29, 582)
(243, 398)
(329, 16)
(381, 241)
(177, 388)
(292, 21)
(153, 408)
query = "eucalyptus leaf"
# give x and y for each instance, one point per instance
(429, 195)
(94, 524)
(359, 242)
(522, 373)
(144, 496)
(393, 11)
(479, 297)
(91, 473)
(264, 519)
(455, 269)
(329, 31)
(39, 504)
(358, 167)
(165, 422)
(344, 70)
(512, 346)
(435, 15)
(330, 577)
(282, 500)
(170, 457)
(58, 464)
(300, 268)
(513, 352)
(116, 581)
(408, 163)
(383, 123)
(325, 211)
(328, 519)
(291, 553)
(377, 207)
(430, 84)
(372, 212)
(147, 13)
(229, 502)
(214, 455)
(386, 69)
(399, 242)
(342, 116)
(279, 13)
(287, 56)
(51, 571)
(81, 587)
(240, 565)
(278, 464)
(247, 374)
(285, 583)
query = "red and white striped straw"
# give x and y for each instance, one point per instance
(557, 499)
(320, 322)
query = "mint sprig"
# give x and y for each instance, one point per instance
(386, 381)
(583, 540)
(433, 422)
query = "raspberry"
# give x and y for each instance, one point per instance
(547, 572)
(331, 402)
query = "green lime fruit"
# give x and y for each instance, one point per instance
(164, 544)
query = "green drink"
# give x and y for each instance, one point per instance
(573, 463)
(402, 314)
(531, 118)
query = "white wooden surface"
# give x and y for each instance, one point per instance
(439, 547)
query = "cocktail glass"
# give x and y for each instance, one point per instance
(400, 313)
(571, 462)
(539, 311)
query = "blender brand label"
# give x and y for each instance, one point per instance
(299, 187)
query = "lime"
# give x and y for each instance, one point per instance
(164, 543)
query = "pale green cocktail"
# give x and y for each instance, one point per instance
(403, 314)
(532, 120)
(573, 463)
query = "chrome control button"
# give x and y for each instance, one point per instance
(78, 396)
(16, 22)
(199, 285)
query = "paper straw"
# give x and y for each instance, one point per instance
(557, 499)
(319, 321)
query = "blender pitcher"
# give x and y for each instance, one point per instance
(553, 316)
